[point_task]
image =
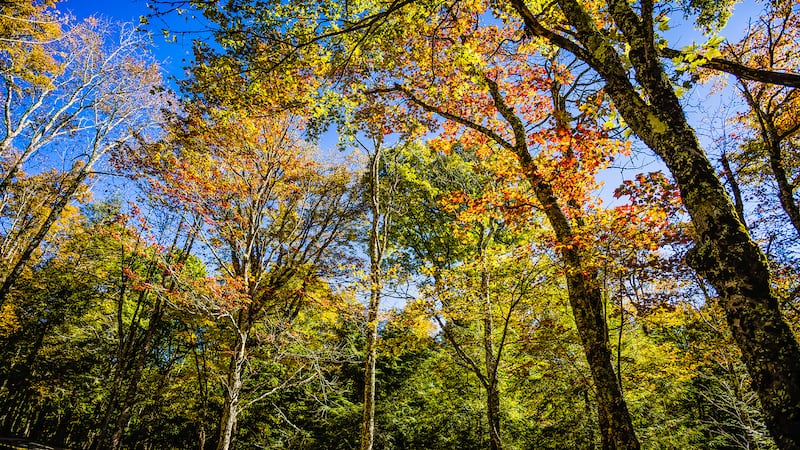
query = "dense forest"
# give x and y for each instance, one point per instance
(401, 224)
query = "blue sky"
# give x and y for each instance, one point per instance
(170, 54)
(123, 10)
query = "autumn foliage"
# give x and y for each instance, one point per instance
(444, 225)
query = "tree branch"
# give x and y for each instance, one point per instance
(449, 116)
(741, 71)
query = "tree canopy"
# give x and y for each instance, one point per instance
(476, 262)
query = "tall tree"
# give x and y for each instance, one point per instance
(274, 221)
(491, 117)
(476, 294)
(724, 254)
(106, 90)
(380, 191)
(143, 288)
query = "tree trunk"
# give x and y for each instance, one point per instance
(785, 189)
(368, 421)
(728, 258)
(733, 263)
(233, 385)
(376, 245)
(492, 382)
(734, 185)
(587, 307)
(493, 414)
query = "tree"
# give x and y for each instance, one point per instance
(58, 293)
(105, 92)
(761, 162)
(768, 44)
(145, 283)
(724, 253)
(26, 30)
(380, 190)
(491, 117)
(477, 296)
(74, 299)
(273, 220)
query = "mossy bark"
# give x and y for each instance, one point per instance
(732, 262)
